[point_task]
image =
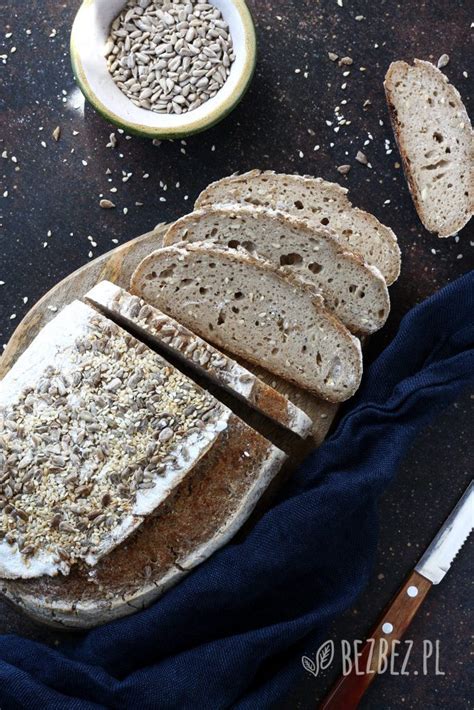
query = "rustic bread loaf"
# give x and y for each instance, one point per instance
(203, 513)
(244, 305)
(165, 331)
(435, 139)
(320, 202)
(97, 431)
(355, 293)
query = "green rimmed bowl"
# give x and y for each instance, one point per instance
(88, 38)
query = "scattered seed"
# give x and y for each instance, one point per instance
(57, 133)
(443, 61)
(106, 204)
(344, 169)
(361, 157)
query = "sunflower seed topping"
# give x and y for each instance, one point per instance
(86, 444)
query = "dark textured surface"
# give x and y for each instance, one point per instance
(283, 117)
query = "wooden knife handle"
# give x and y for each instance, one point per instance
(395, 620)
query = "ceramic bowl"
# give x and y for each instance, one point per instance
(89, 34)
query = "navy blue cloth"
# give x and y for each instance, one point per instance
(233, 631)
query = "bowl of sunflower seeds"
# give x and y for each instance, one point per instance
(163, 68)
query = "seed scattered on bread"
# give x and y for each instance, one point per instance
(435, 139)
(100, 429)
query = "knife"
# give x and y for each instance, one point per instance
(395, 620)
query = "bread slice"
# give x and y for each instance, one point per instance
(168, 333)
(203, 513)
(97, 431)
(244, 305)
(320, 202)
(435, 139)
(356, 293)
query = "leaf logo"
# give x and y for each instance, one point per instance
(324, 658)
(309, 666)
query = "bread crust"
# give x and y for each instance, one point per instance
(424, 213)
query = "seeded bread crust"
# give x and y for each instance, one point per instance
(429, 119)
(355, 292)
(115, 301)
(317, 201)
(280, 310)
(202, 515)
(75, 436)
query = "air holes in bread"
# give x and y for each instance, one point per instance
(335, 372)
(314, 267)
(292, 259)
(233, 244)
(221, 318)
(203, 290)
(166, 273)
(435, 166)
(438, 137)
(319, 360)
(325, 221)
(299, 205)
(238, 295)
(249, 246)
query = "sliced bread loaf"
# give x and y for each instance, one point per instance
(435, 139)
(244, 305)
(166, 332)
(97, 431)
(355, 292)
(318, 201)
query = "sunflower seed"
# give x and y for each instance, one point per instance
(154, 48)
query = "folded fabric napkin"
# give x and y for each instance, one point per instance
(228, 635)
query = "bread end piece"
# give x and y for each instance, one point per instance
(435, 139)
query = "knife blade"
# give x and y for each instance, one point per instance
(391, 627)
(440, 554)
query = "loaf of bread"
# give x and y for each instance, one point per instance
(223, 370)
(356, 293)
(320, 202)
(247, 307)
(97, 431)
(203, 513)
(435, 139)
